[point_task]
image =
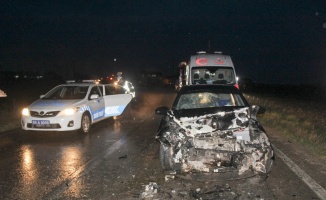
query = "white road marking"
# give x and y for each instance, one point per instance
(314, 186)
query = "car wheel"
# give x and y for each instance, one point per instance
(85, 123)
(166, 157)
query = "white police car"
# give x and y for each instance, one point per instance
(75, 106)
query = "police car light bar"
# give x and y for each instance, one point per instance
(82, 81)
(89, 81)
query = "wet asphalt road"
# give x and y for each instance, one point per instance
(117, 160)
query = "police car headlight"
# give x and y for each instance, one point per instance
(69, 111)
(25, 112)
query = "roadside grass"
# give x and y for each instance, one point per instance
(20, 95)
(10, 115)
(9, 120)
(299, 120)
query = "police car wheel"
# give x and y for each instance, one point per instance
(85, 123)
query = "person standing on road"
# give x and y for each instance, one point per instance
(120, 80)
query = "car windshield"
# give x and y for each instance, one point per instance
(67, 92)
(208, 100)
(212, 75)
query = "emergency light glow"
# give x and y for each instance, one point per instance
(201, 61)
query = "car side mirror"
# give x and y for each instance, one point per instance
(94, 96)
(161, 110)
(256, 110)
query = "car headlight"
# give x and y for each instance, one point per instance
(69, 111)
(25, 112)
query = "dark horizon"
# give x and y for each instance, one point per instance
(270, 42)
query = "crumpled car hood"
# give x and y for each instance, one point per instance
(217, 142)
(224, 120)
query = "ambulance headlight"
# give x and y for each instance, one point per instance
(25, 112)
(69, 111)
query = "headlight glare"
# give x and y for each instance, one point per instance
(25, 112)
(69, 111)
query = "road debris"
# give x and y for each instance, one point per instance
(123, 157)
(150, 190)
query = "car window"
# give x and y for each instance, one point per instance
(109, 90)
(95, 90)
(101, 88)
(67, 92)
(80, 92)
(213, 75)
(208, 100)
(114, 89)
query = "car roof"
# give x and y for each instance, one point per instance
(204, 87)
(78, 84)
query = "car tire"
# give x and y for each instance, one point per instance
(166, 157)
(85, 123)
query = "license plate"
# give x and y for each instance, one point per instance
(40, 122)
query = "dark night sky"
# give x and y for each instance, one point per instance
(269, 41)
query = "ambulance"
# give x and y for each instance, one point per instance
(207, 68)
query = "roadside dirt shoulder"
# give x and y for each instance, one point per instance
(311, 164)
(7, 126)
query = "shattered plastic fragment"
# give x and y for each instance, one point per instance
(122, 157)
(150, 190)
(169, 177)
(260, 167)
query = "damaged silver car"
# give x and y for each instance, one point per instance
(213, 129)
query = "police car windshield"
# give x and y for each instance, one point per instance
(212, 75)
(209, 100)
(67, 93)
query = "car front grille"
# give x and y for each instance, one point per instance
(44, 114)
(43, 126)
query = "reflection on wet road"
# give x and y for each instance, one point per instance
(47, 165)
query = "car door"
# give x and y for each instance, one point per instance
(97, 105)
(115, 101)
